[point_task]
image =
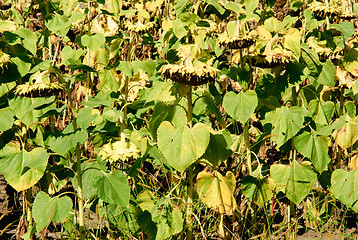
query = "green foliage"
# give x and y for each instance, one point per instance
(84, 103)
(182, 146)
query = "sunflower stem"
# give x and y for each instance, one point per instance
(189, 172)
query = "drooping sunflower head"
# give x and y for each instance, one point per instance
(40, 88)
(4, 60)
(322, 10)
(194, 68)
(236, 42)
(121, 150)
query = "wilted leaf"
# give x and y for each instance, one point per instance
(346, 136)
(292, 40)
(216, 191)
(353, 161)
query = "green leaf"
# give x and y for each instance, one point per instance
(311, 59)
(210, 103)
(28, 39)
(219, 147)
(240, 106)
(292, 40)
(179, 29)
(62, 143)
(346, 28)
(217, 6)
(216, 191)
(113, 188)
(345, 187)
(7, 119)
(108, 80)
(257, 189)
(91, 174)
(321, 112)
(20, 168)
(30, 110)
(161, 91)
(59, 25)
(22, 66)
(251, 5)
(295, 180)
(328, 74)
(315, 148)
(183, 146)
(93, 42)
(46, 209)
(286, 123)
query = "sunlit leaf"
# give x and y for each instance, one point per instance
(240, 106)
(286, 123)
(328, 74)
(46, 209)
(217, 191)
(93, 42)
(113, 188)
(22, 169)
(294, 180)
(345, 187)
(315, 148)
(182, 146)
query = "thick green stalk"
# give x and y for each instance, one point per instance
(189, 172)
(247, 145)
(81, 212)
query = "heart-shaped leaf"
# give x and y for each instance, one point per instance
(328, 74)
(315, 148)
(286, 123)
(183, 146)
(240, 106)
(345, 187)
(257, 189)
(217, 191)
(46, 209)
(62, 143)
(294, 180)
(93, 42)
(20, 168)
(113, 188)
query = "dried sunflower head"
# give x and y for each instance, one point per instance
(188, 74)
(4, 59)
(320, 47)
(139, 27)
(344, 78)
(322, 10)
(39, 89)
(119, 150)
(105, 24)
(236, 42)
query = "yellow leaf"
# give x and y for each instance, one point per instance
(216, 191)
(348, 134)
(353, 162)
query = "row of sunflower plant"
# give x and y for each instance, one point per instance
(168, 119)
